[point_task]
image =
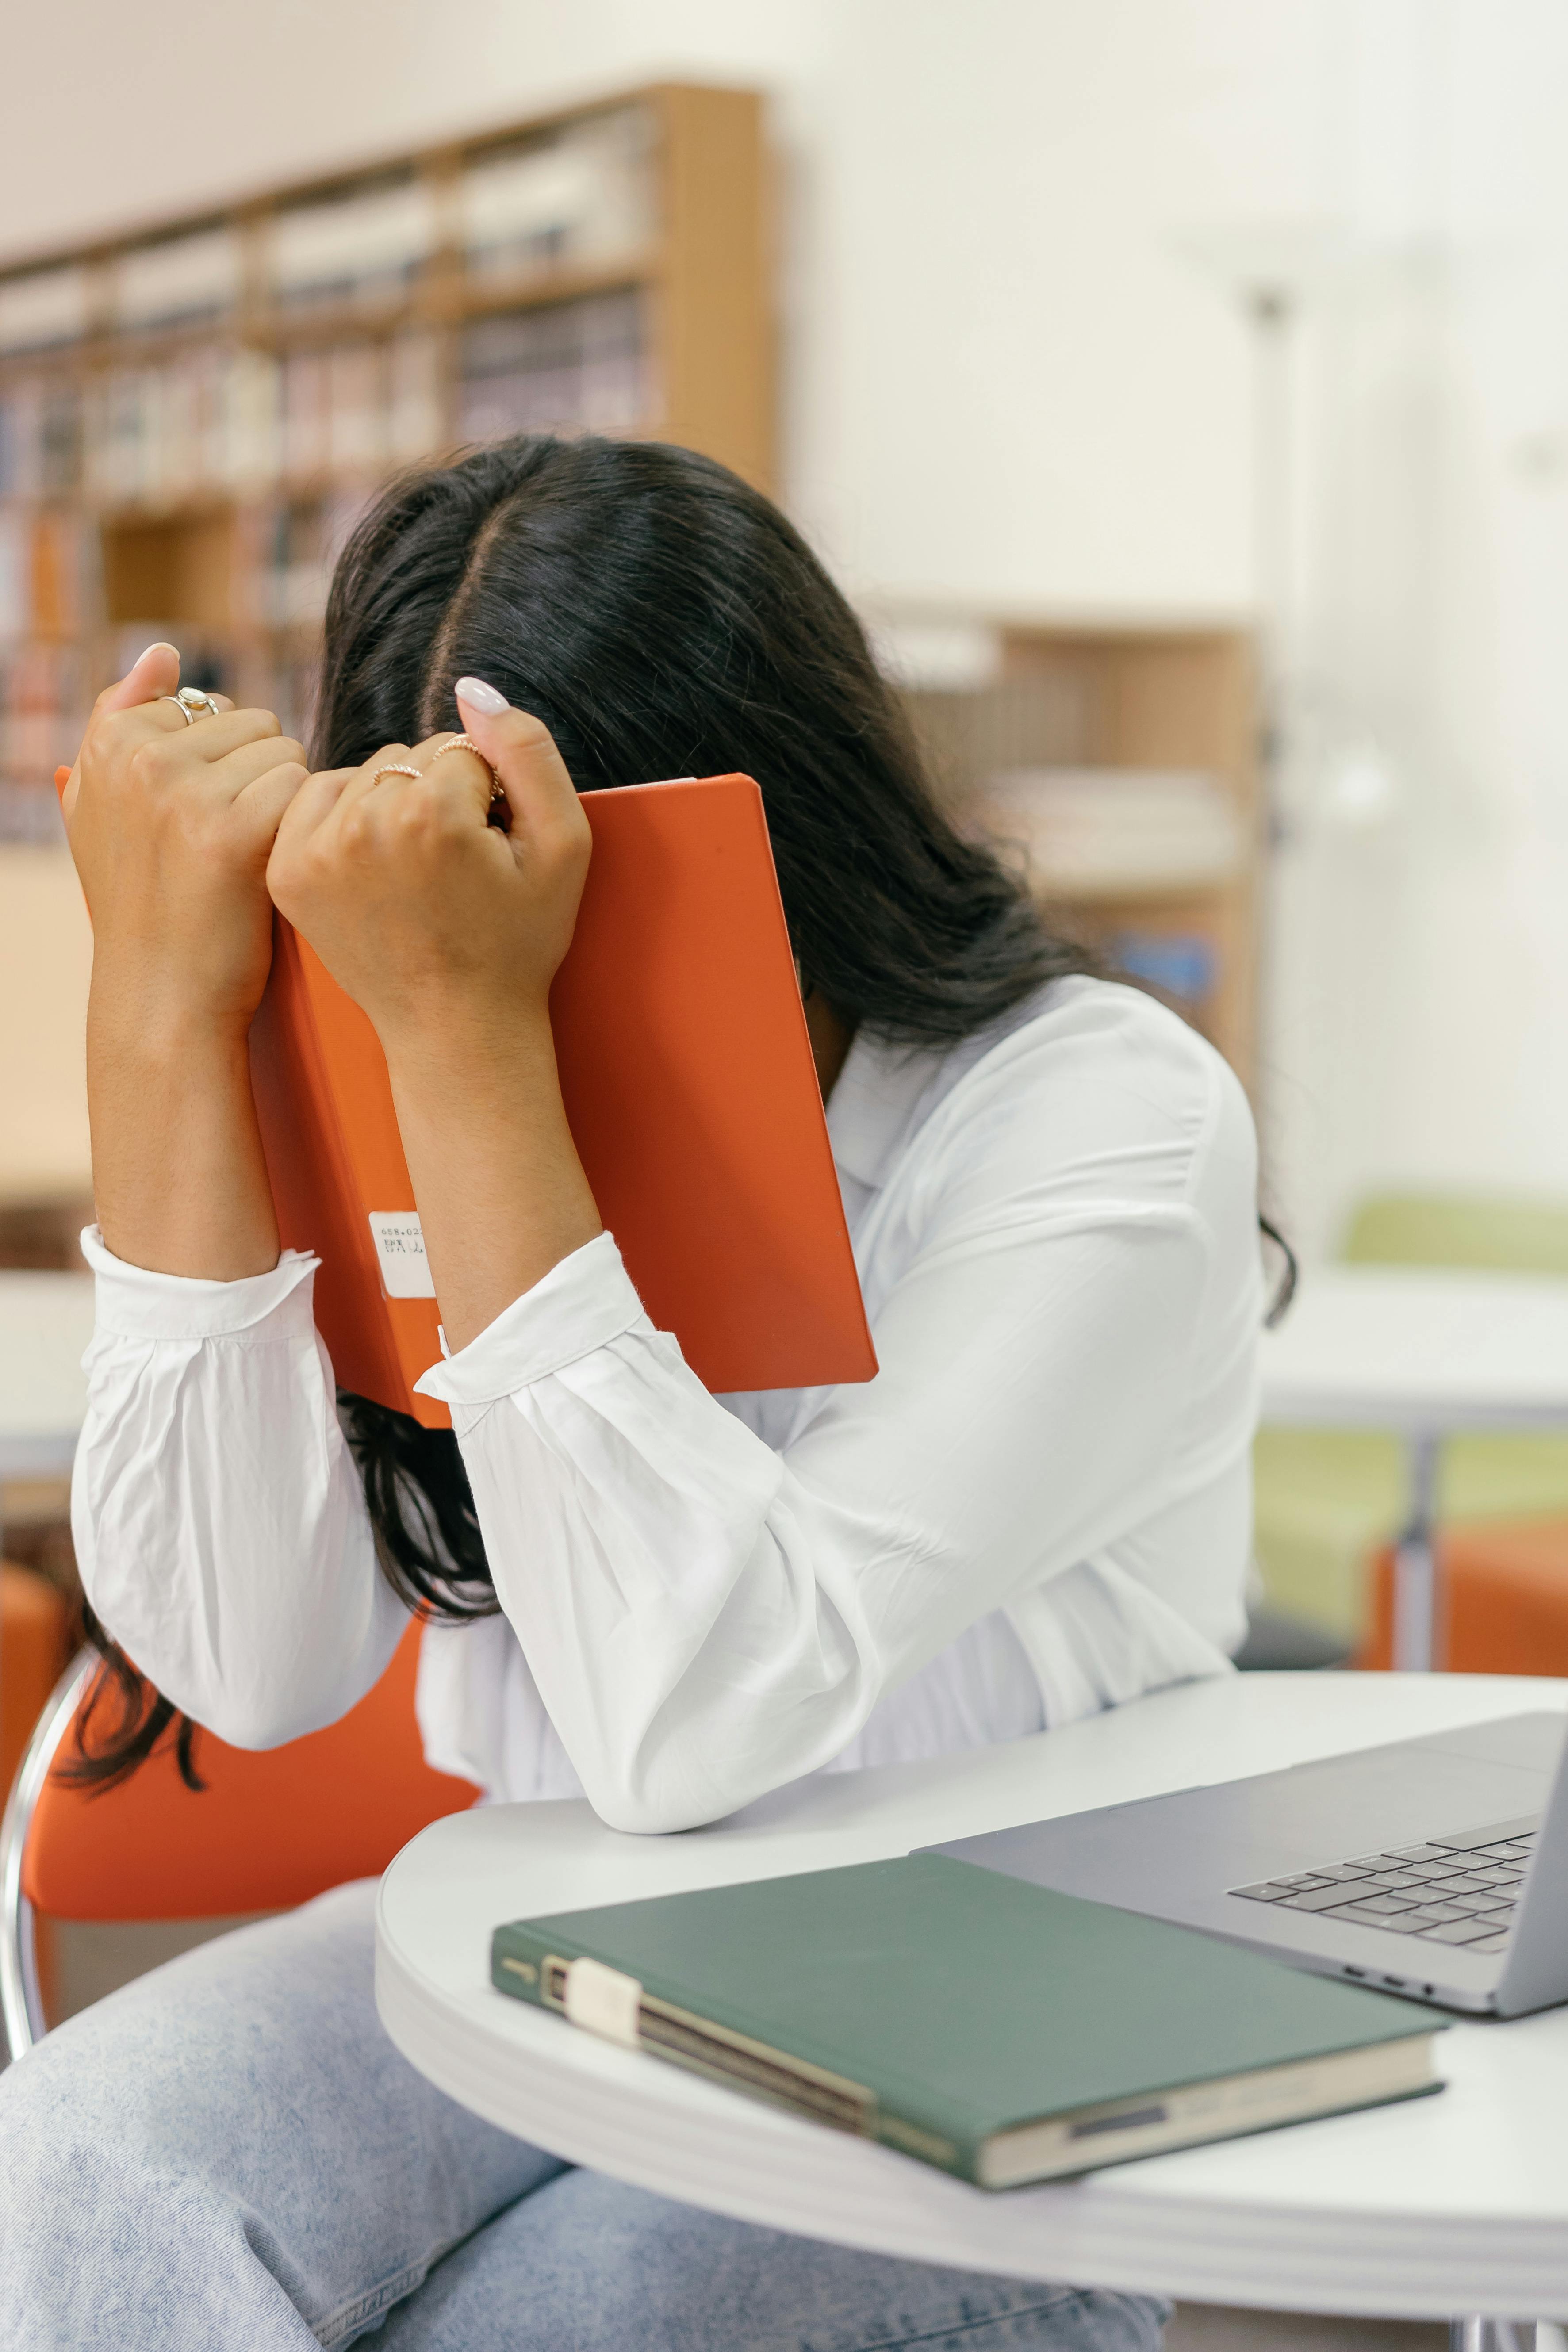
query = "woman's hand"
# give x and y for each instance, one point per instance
(448, 932)
(428, 915)
(170, 824)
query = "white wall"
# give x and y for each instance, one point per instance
(1421, 995)
(1010, 383)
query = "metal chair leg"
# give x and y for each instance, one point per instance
(21, 2001)
(1414, 1648)
(1476, 2333)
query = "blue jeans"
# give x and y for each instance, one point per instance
(229, 2156)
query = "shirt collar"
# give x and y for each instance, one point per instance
(874, 1104)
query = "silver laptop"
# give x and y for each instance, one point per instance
(1435, 1867)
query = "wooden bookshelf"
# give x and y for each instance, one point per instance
(192, 412)
(1172, 700)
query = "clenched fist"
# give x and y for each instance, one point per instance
(420, 907)
(171, 823)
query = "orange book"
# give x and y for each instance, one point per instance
(691, 1091)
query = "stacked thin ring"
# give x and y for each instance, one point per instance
(466, 743)
(498, 792)
(457, 743)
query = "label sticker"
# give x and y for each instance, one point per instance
(604, 2001)
(400, 1249)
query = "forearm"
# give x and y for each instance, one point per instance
(705, 1617)
(178, 1172)
(502, 1193)
(220, 1523)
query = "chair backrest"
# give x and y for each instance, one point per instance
(1489, 1232)
(35, 1646)
(268, 1830)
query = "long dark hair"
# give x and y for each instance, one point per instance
(663, 619)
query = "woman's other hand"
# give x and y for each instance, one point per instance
(171, 823)
(448, 932)
(422, 909)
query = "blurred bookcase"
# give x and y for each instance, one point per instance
(1118, 767)
(193, 414)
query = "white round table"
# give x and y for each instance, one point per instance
(1455, 2204)
(46, 1322)
(1424, 1352)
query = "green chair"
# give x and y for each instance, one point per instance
(1328, 1499)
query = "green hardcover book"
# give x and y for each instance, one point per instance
(1002, 2031)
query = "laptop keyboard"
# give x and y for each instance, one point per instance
(1458, 1890)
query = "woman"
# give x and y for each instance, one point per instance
(1039, 1507)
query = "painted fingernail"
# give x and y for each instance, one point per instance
(480, 696)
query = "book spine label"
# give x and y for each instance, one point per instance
(604, 2001)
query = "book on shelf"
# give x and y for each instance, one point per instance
(49, 584)
(64, 579)
(40, 440)
(366, 246)
(16, 572)
(43, 310)
(49, 601)
(304, 390)
(304, 541)
(580, 365)
(356, 407)
(1105, 832)
(187, 280)
(415, 413)
(43, 701)
(576, 197)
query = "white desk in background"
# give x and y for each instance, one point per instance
(46, 1322)
(1424, 1353)
(1457, 2204)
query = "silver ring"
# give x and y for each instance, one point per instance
(397, 768)
(192, 700)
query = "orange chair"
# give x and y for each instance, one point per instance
(35, 1644)
(271, 1828)
(1503, 1600)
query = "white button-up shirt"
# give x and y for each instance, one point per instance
(1040, 1506)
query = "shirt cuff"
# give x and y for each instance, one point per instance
(582, 1303)
(131, 1302)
